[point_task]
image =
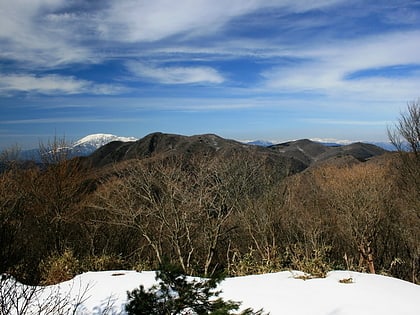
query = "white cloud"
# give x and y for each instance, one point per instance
(52, 33)
(52, 84)
(341, 122)
(26, 36)
(327, 68)
(176, 75)
(135, 21)
(67, 119)
(55, 33)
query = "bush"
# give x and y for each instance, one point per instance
(102, 262)
(314, 262)
(250, 263)
(176, 295)
(59, 267)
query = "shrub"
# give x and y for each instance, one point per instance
(103, 262)
(250, 263)
(314, 262)
(176, 295)
(59, 267)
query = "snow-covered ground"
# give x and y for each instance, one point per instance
(277, 293)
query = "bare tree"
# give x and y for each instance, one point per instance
(60, 183)
(357, 198)
(10, 154)
(405, 136)
(181, 208)
(153, 197)
(20, 299)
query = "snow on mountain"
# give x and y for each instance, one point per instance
(340, 293)
(100, 139)
(90, 143)
(261, 143)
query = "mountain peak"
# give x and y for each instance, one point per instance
(99, 139)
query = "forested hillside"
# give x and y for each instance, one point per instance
(206, 207)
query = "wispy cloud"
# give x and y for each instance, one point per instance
(53, 33)
(327, 68)
(27, 37)
(264, 62)
(135, 21)
(175, 75)
(53, 84)
(58, 120)
(328, 121)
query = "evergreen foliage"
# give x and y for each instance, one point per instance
(175, 294)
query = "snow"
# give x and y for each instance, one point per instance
(101, 139)
(277, 293)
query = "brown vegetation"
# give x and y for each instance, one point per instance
(238, 213)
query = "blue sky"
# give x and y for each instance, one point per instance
(243, 69)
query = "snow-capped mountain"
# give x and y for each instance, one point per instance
(82, 147)
(90, 143)
(261, 143)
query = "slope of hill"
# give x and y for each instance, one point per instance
(311, 153)
(304, 150)
(298, 155)
(208, 145)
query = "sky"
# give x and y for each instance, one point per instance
(272, 70)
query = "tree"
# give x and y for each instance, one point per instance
(176, 295)
(59, 185)
(12, 198)
(20, 299)
(181, 209)
(10, 155)
(149, 197)
(405, 136)
(358, 198)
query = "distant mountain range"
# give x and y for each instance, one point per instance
(288, 157)
(329, 143)
(89, 144)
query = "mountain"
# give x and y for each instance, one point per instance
(82, 147)
(163, 145)
(310, 152)
(329, 143)
(304, 150)
(384, 145)
(103, 149)
(90, 143)
(261, 143)
(289, 157)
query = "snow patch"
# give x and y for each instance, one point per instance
(277, 293)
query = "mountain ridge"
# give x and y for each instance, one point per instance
(102, 149)
(296, 155)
